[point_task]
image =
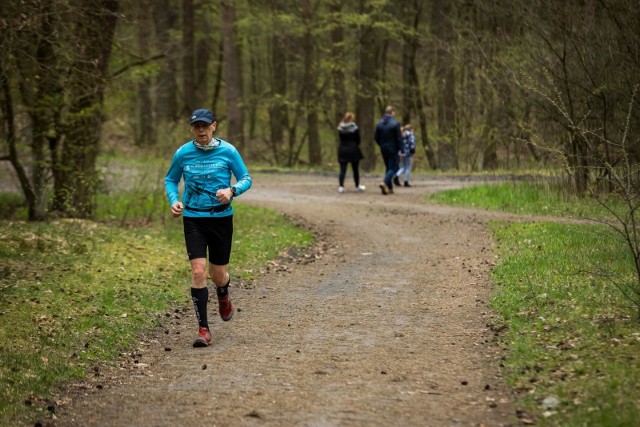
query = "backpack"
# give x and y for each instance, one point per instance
(410, 141)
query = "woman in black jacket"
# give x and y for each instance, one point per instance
(349, 150)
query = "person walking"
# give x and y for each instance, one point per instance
(349, 150)
(206, 165)
(406, 156)
(389, 138)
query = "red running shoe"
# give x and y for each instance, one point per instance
(225, 308)
(204, 337)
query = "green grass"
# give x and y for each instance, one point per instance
(570, 332)
(569, 329)
(75, 294)
(523, 198)
(265, 235)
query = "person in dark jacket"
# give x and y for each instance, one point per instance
(389, 138)
(349, 150)
(406, 157)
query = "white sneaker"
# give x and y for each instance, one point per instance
(360, 188)
(340, 189)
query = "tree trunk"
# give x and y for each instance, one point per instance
(145, 126)
(278, 111)
(411, 90)
(204, 47)
(166, 87)
(489, 95)
(218, 80)
(337, 68)
(9, 118)
(409, 14)
(365, 94)
(189, 100)
(232, 76)
(578, 162)
(424, 135)
(42, 96)
(79, 180)
(254, 87)
(315, 152)
(43, 104)
(445, 79)
(407, 89)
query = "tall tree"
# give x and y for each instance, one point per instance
(367, 77)
(145, 126)
(232, 75)
(310, 78)
(9, 135)
(31, 40)
(217, 85)
(411, 88)
(486, 26)
(188, 60)
(43, 102)
(445, 78)
(577, 73)
(166, 94)
(278, 114)
(77, 183)
(205, 46)
(338, 52)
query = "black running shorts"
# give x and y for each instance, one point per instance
(213, 233)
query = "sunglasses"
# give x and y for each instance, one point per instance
(199, 126)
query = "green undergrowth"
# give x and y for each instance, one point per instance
(567, 300)
(570, 331)
(75, 294)
(12, 205)
(525, 198)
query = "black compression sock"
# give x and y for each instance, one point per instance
(200, 296)
(223, 291)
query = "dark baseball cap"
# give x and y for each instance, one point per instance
(201, 115)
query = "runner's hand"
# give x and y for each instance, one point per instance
(224, 195)
(176, 209)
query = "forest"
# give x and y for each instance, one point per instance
(487, 85)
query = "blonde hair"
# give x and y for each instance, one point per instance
(348, 117)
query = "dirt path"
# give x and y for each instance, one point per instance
(387, 327)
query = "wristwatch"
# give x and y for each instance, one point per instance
(234, 190)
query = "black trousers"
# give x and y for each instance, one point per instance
(343, 171)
